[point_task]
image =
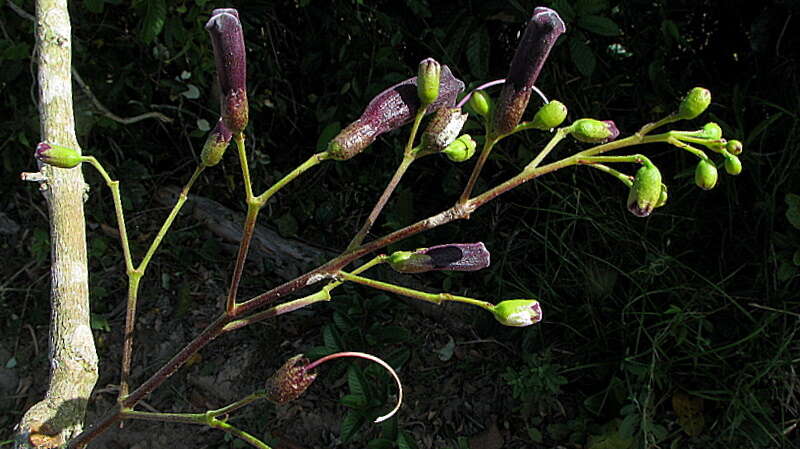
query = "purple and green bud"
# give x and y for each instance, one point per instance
(216, 144)
(705, 175)
(290, 381)
(389, 110)
(481, 103)
(443, 129)
(646, 191)
(549, 116)
(694, 103)
(594, 131)
(58, 156)
(462, 149)
(518, 312)
(540, 35)
(428, 84)
(733, 165)
(227, 39)
(734, 147)
(449, 257)
(711, 131)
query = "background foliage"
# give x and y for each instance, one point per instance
(676, 329)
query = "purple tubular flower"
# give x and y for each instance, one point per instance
(449, 257)
(389, 110)
(543, 29)
(227, 40)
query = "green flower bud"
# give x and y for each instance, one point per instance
(518, 312)
(662, 198)
(594, 131)
(645, 191)
(705, 175)
(428, 80)
(734, 147)
(461, 149)
(711, 131)
(290, 381)
(57, 156)
(733, 165)
(216, 144)
(549, 116)
(694, 103)
(481, 103)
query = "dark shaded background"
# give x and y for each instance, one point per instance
(701, 297)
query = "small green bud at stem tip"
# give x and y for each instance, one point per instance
(733, 165)
(594, 131)
(549, 116)
(462, 149)
(734, 147)
(428, 81)
(705, 175)
(694, 103)
(57, 156)
(216, 144)
(646, 191)
(711, 131)
(518, 312)
(481, 103)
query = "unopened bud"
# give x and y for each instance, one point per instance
(428, 80)
(518, 312)
(662, 198)
(734, 147)
(57, 156)
(711, 131)
(461, 149)
(443, 129)
(645, 192)
(705, 175)
(449, 257)
(694, 103)
(290, 381)
(549, 116)
(216, 144)
(227, 40)
(481, 103)
(733, 165)
(594, 131)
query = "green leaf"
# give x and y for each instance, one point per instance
(564, 9)
(94, 6)
(585, 7)
(392, 334)
(405, 441)
(599, 25)
(629, 425)
(456, 34)
(535, 435)
(331, 338)
(154, 18)
(287, 225)
(350, 425)
(478, 53)
(380, 443)
(582, 56)
(793, 212)
(355, 382)
(355, 401)
(327, 134)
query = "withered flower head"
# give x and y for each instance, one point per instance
(540, 35)
(290, 381)
(227, 39)
(443, 129)
(449, 257)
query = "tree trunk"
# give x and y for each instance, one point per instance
(73, 360)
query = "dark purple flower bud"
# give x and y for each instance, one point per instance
(391, 109)
(450, 257)
(540, 35)
(216, 144)
(227, 40)
(290, 381)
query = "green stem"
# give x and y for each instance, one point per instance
(685, 146)
(230, 408)
(311, 162)
(632, 158)
(322, 295)
(253, 208)
(248, 186)
(560, 134)
(626, 179)
(187, 418)
(238, 433)
(114, 187)
(408, 159)
(184, 195)
(476, 171)
(127, 336)
(651, 126)
(435, 298)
